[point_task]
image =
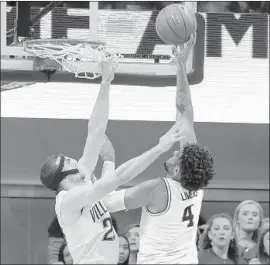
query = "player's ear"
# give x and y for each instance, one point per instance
(176, 153)
(176, 169)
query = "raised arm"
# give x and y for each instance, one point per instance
(183, 97)
(184, 108)
(107, 154)
(80, 196)
(97, 124)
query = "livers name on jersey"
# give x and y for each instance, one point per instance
(97, 211)
(188, 195)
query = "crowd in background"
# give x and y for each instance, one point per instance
(223, 239)
(202, 6)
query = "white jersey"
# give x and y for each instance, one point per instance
(170, 237)
(92, 238)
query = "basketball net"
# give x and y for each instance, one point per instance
(84, 60)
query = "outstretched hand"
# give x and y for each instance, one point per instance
(182, 53)
(108, 68)
(172, 136)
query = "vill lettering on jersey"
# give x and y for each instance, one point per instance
(97, 211)
(189, 195)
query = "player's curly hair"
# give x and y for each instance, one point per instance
(205, 241)
(196, 167)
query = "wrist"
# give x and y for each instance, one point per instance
(109, 165)
(108, 159)
(105, 82)
(181, 66)
(160, 149)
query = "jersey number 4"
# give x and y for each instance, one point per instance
(109, 235)
(188, 216)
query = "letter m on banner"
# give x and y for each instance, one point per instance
(237, 25)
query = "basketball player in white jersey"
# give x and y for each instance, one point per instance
(84, 219)
(171, 205)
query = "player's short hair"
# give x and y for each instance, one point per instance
(196, 167)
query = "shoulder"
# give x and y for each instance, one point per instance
(159, 195)
(154, 185)
(160, 185)
(64, 212)
(60, 198)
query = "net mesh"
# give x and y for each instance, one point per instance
(85, 60)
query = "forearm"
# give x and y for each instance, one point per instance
(93, 145)
(135, 166)
(108, 167)
(100, 112)
(96, 131)
(183, 97)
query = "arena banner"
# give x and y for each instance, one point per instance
(133, 33)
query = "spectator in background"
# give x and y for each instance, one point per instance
(64, 256)
(263, 248)
(55, 241)
(217, 244)
(248, 218)
(124, 250)
(239, 7)
(255, 6)
(264, 8)
(133, 235)
(265, 220)
(127, 5)
(213, 7)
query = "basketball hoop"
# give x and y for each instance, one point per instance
(83, 59)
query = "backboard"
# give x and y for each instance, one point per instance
(130, 33)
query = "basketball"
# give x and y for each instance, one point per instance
(175, 23)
